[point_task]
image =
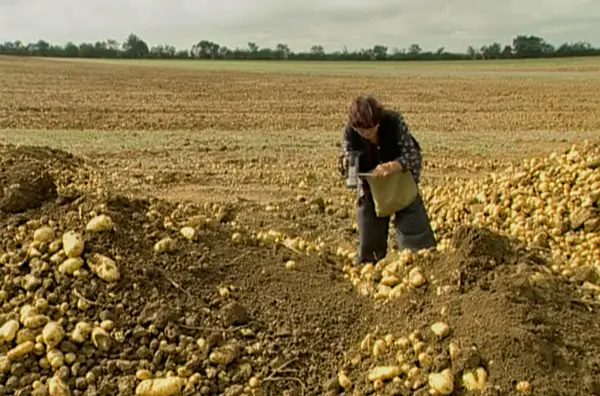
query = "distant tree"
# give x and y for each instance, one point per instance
(206, 49)
(522, 46)
(71, 50)
(579, 48)
(317, 50)
(252, 47)
(380, 52)
(472, 52)
(415, 49)
(493, 51)
(531, 47)
(282, 51)
(135, 47)
(507, 52)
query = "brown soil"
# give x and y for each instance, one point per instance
(508, 314)
(306, 317)
(291, 328)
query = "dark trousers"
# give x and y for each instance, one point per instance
(412, 224)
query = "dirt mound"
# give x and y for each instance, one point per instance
(32, 175)
(506, 312)
(175, 311)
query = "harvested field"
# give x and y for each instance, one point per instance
(184, 227)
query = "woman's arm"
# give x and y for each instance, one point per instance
(347, 147)
(410, 153)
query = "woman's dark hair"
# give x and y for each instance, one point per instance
(365, 112)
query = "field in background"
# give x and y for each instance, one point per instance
(209, 122)
(219, 131)
(524, 67)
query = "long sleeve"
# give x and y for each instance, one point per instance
(410, 153)
(346, 148)
(346, 141)
(348, 145)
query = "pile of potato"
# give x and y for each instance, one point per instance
(415, 361)
(47, 337)
(390, 277)
(35, 326)
(551, 204)
(421, 360)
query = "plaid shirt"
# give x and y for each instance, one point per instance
(410, 152)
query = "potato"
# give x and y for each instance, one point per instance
(56, 387)
(475, 381)
(254, 382)
(188, 233)
(291, 264)
(107, 324)
(378, 384)
(415, 278)
(54, 246)
(413, 373)
(5, 364)
(58, 257)
(236, 237)
(25, 334)
(442, 383)
(224, 355)
(73, 244)
(101, 223)
(390, 281)
(70, 265)
(379, 348)
(35, 321)
(440, 329)
(195, 379)
(70, 358)
(44, 364)
(382, 373)
(524, 387)
(196, 221)
(202, 344)
(143, 374)
(165, 245)
(403, 342)
(81, 332)
(160, 386)
(39, 348)
(44, 235)
(224, 291)
(101, 339)
(344, 380)
(20, 350)
(53, 334)
(425, 359)
(55, 358)
(104, 267)
(26, 311)
(367, 342)
(8, 331)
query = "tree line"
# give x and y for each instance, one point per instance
(522, 46)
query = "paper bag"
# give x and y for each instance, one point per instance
(393, 192)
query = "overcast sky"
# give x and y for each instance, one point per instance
(455, 24)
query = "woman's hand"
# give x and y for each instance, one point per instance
(343, 165)
(382, 170)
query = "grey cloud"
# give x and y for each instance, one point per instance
(332, 23)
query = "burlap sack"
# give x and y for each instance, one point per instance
(393, 192)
